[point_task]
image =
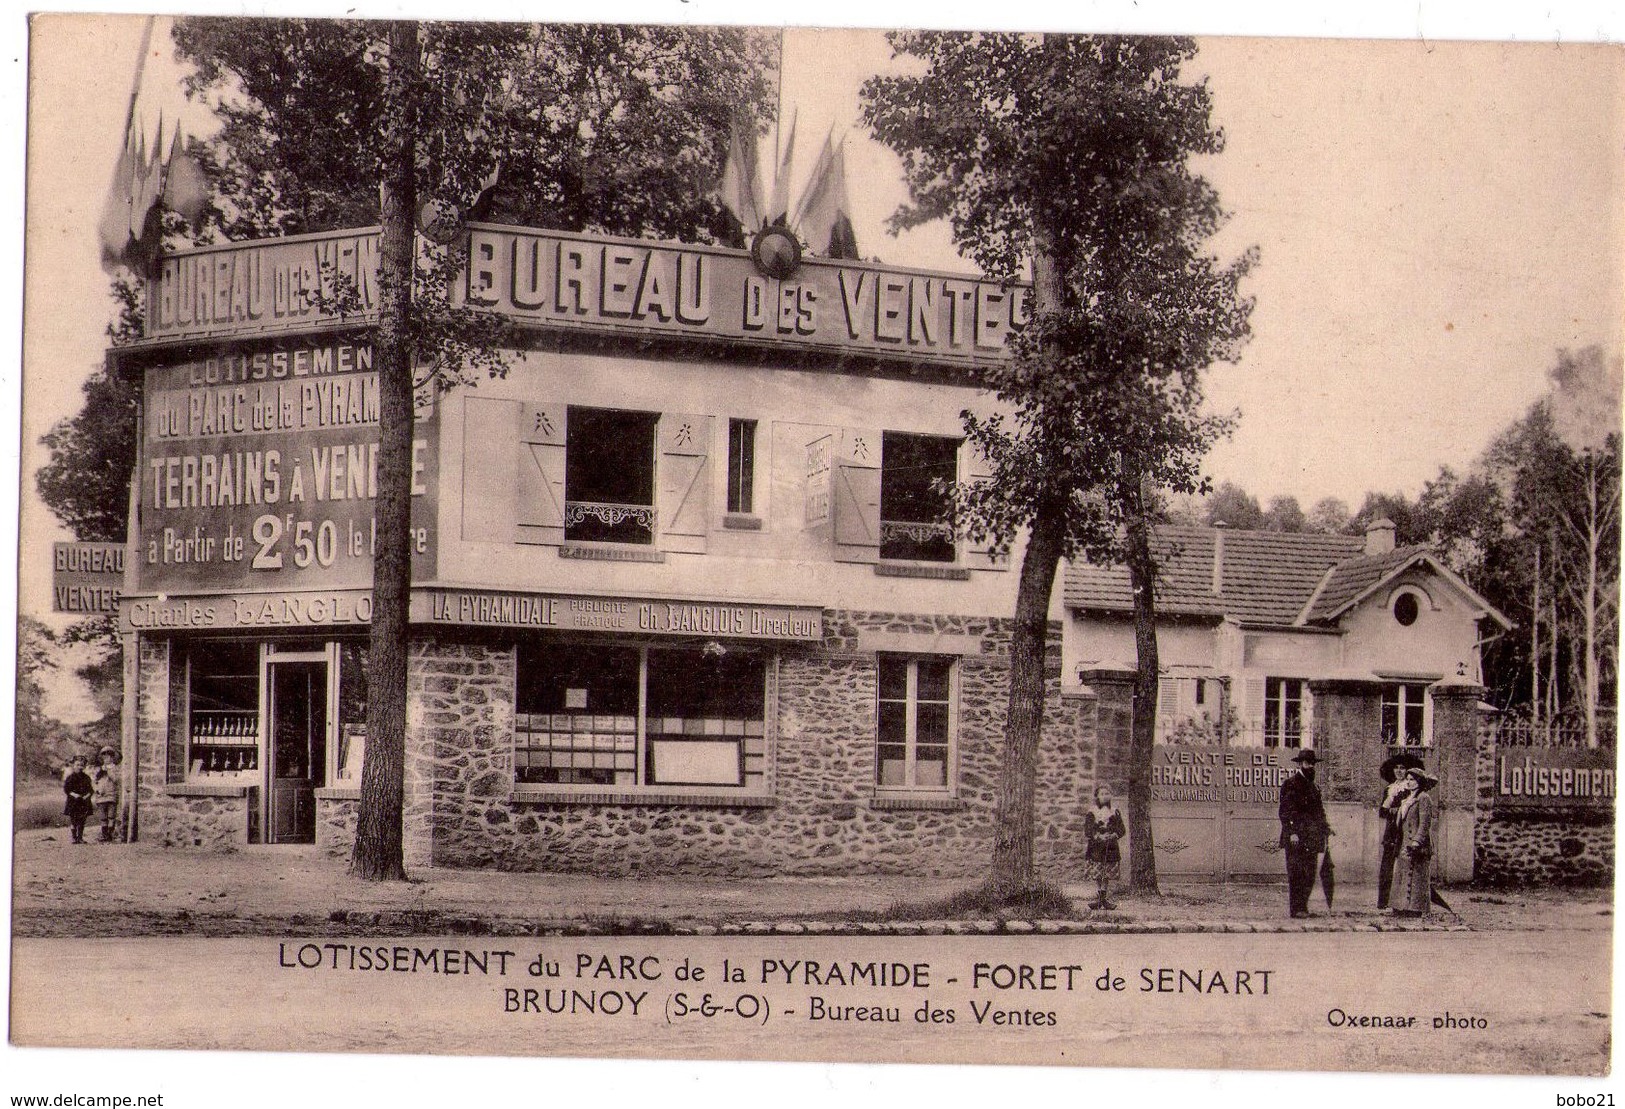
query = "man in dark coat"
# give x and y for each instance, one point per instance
(1303, 831)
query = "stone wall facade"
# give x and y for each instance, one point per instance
(1550, 846)
(821, 813)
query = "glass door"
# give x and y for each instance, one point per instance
(298, 736)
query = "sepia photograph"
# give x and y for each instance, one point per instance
(683, 557)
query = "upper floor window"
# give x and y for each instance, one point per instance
(914, 723)
(741, 465)
(1404, 714)
(917, 475)
(609, 482)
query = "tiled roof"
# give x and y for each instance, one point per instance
(1266, 577)
(1352, 578)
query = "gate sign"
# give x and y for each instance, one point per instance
(1233, 775)
(86, 578)
(1546, 777)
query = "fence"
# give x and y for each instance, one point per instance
(1508, 732)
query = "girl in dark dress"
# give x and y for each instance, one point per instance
(1102, 857)
(78, 787)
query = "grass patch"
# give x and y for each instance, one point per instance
(1039, 902)
(37, 806)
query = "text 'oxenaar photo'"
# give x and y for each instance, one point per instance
(524, 466)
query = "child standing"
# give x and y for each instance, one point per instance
(104, 788)
(78, 787)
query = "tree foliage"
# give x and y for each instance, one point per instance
(595, 127)
(1070, 156)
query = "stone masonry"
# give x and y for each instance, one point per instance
(822, 815)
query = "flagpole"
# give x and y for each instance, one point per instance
(140, 70)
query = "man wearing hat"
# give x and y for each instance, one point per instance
(1303, 831)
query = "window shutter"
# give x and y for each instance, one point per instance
(490, 466)
(1252, 709)
(856, 496)
(1308, 716)
(683, 496)
(978, 555)
(1167, 702)
(543, 429)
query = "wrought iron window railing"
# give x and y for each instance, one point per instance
(602, 522)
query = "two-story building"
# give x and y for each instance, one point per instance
(682, 598)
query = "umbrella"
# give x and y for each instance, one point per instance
(1438, 899)
(1327, 877)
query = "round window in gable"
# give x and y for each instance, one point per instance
(1406, 609)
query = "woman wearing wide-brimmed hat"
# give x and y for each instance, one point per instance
(1395, 789)
(1418, 812)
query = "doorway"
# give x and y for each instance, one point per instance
(297, 705)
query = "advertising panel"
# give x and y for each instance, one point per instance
(245, 289)
(1546, 777)
(551, 612)
(594, 283)
(86, 578)
(259, 470)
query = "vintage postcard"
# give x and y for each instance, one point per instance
(706, 543)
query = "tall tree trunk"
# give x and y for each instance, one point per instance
(1593, 539)
(1534, 647)
(1013, 871)
(378, 848)
(1142, 863)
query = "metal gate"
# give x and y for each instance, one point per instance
(1215, 810)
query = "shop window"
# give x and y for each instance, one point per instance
(917, 476)
(914, 723)
(223, 710)
(622, 717)
(1405, 714)
(741, 466)
(1285, 702)
(609, 476)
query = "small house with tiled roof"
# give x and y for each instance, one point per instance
(1271, 641)
(1247, 619)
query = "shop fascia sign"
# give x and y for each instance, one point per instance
(638, 616)
(474, 608)
(604, 285)
(1544, 777)
(87, 578)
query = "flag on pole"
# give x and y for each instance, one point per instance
(741, 186)
(114, 229)
(778, 209)
(823, 218)
(186, 189)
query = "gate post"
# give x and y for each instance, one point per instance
(1348, 738)
(1455, 759)
(1111, 686)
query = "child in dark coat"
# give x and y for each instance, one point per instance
(78, 787)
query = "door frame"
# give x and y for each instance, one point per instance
(271, 656)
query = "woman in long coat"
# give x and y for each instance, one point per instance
(1417, 816)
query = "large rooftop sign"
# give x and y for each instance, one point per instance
(596, 284)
